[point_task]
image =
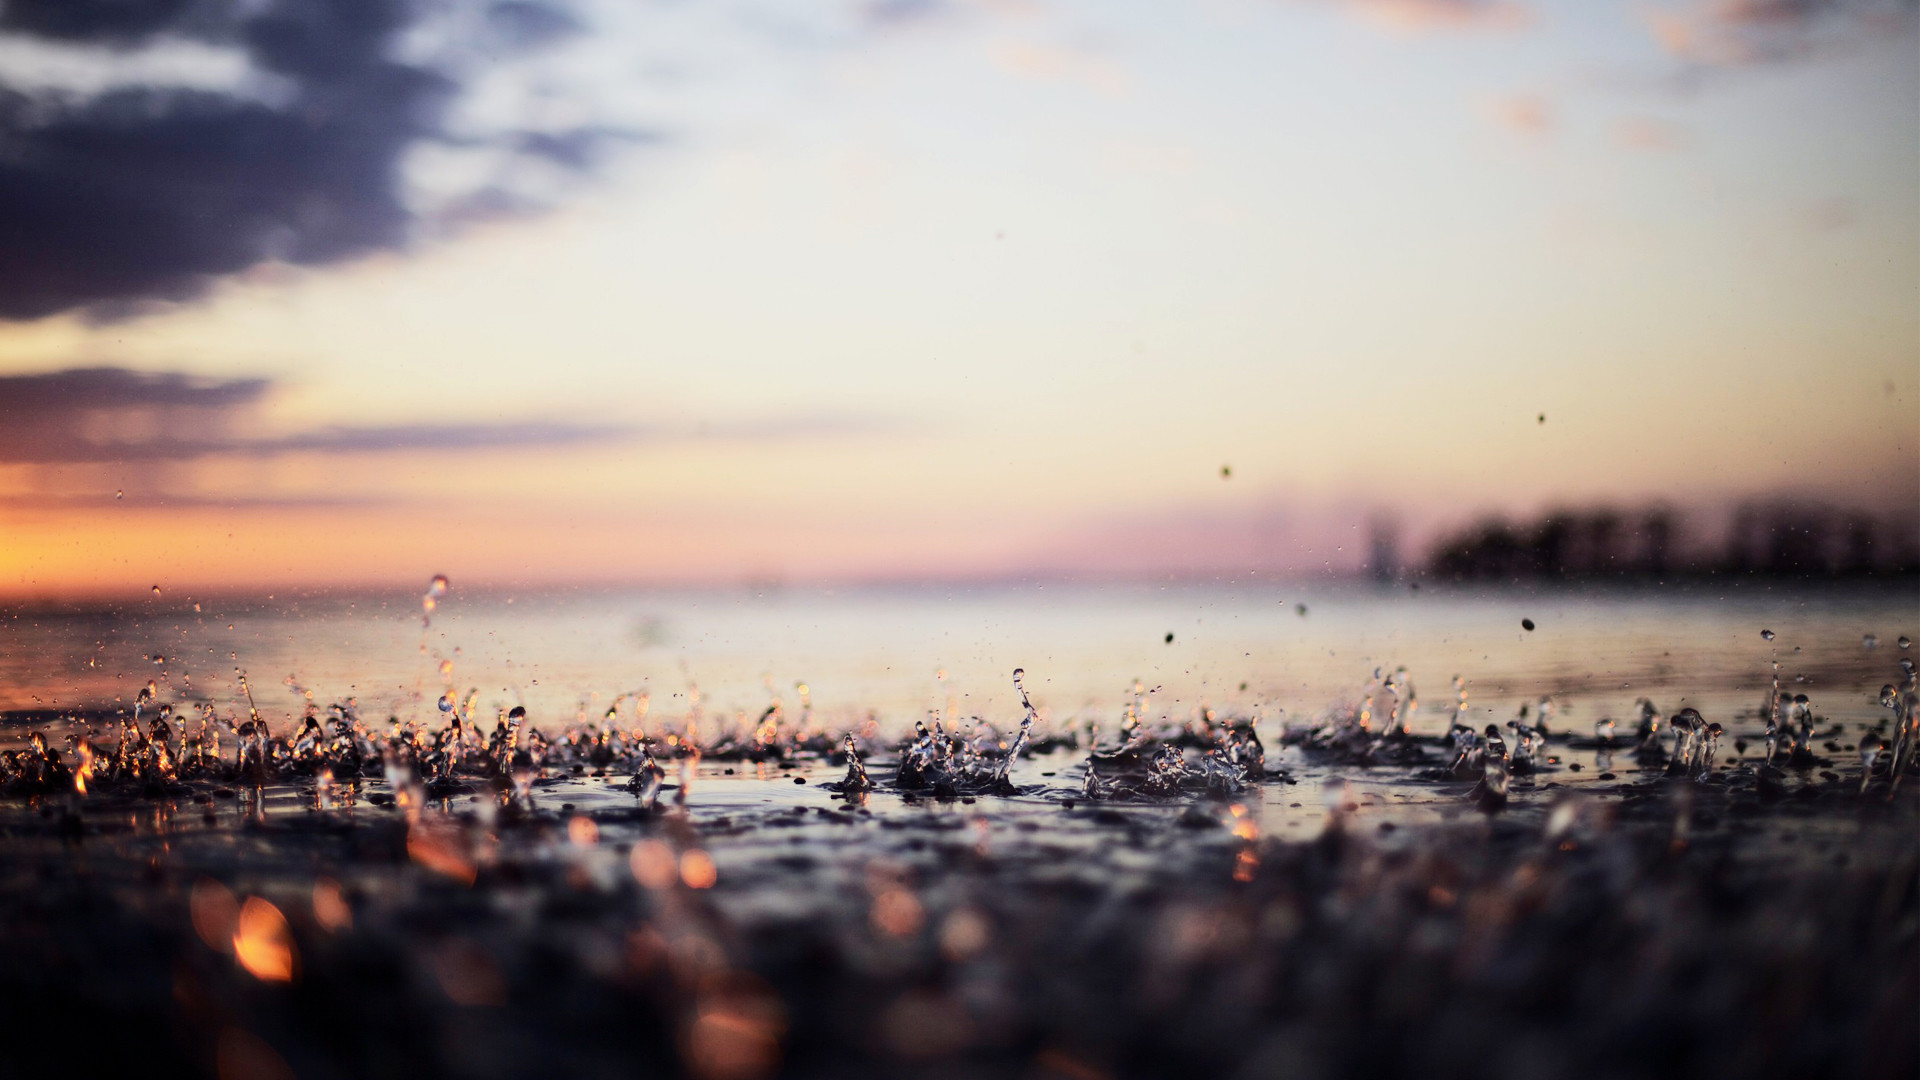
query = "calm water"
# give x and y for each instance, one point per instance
(894, 654)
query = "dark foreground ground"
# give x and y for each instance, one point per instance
(1650, 926)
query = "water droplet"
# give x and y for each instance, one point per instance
(1526, 624)
(436, 589)
(1169, 637)
(119, 494)
(1869, 641)
(1226, 472)
(1766, 635)
(156, 590)
(1905, 642)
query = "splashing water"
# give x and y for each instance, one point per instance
(1494, 776)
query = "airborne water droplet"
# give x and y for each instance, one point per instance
(1766, 635)
(120, 494)
(436, 589)
(156, 590)
(1906, 642)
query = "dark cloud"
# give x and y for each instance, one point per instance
(524, 24)
(112, 415)
(150, 193)
(96, 416)
(117, 22)
(97, 500)
(1746, 33)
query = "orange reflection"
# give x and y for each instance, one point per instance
(330, 905)
(697, 870)
(441, 849)
(263, 944)
(215, 913)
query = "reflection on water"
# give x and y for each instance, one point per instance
(898, 655)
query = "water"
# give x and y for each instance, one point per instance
(899, 655)
(877, 830)
(950, 685)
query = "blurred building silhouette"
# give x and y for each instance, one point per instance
(1772, 539)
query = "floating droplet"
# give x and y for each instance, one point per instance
(1526, 624)
(436, 589)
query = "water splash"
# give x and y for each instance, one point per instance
(1491, 792)
(647, 780)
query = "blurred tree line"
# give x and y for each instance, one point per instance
(1774, 539)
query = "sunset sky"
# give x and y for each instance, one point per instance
(306, 293)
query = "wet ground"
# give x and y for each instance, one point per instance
(770, 926)
(1346, 906)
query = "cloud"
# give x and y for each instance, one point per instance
(116, 416)
(1526, 114)
(100, 415)
(1087, 66)
(1746, 33)
(1420, 16)
(1648, 133)
(117, 190)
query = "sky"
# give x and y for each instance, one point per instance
(300, 293)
